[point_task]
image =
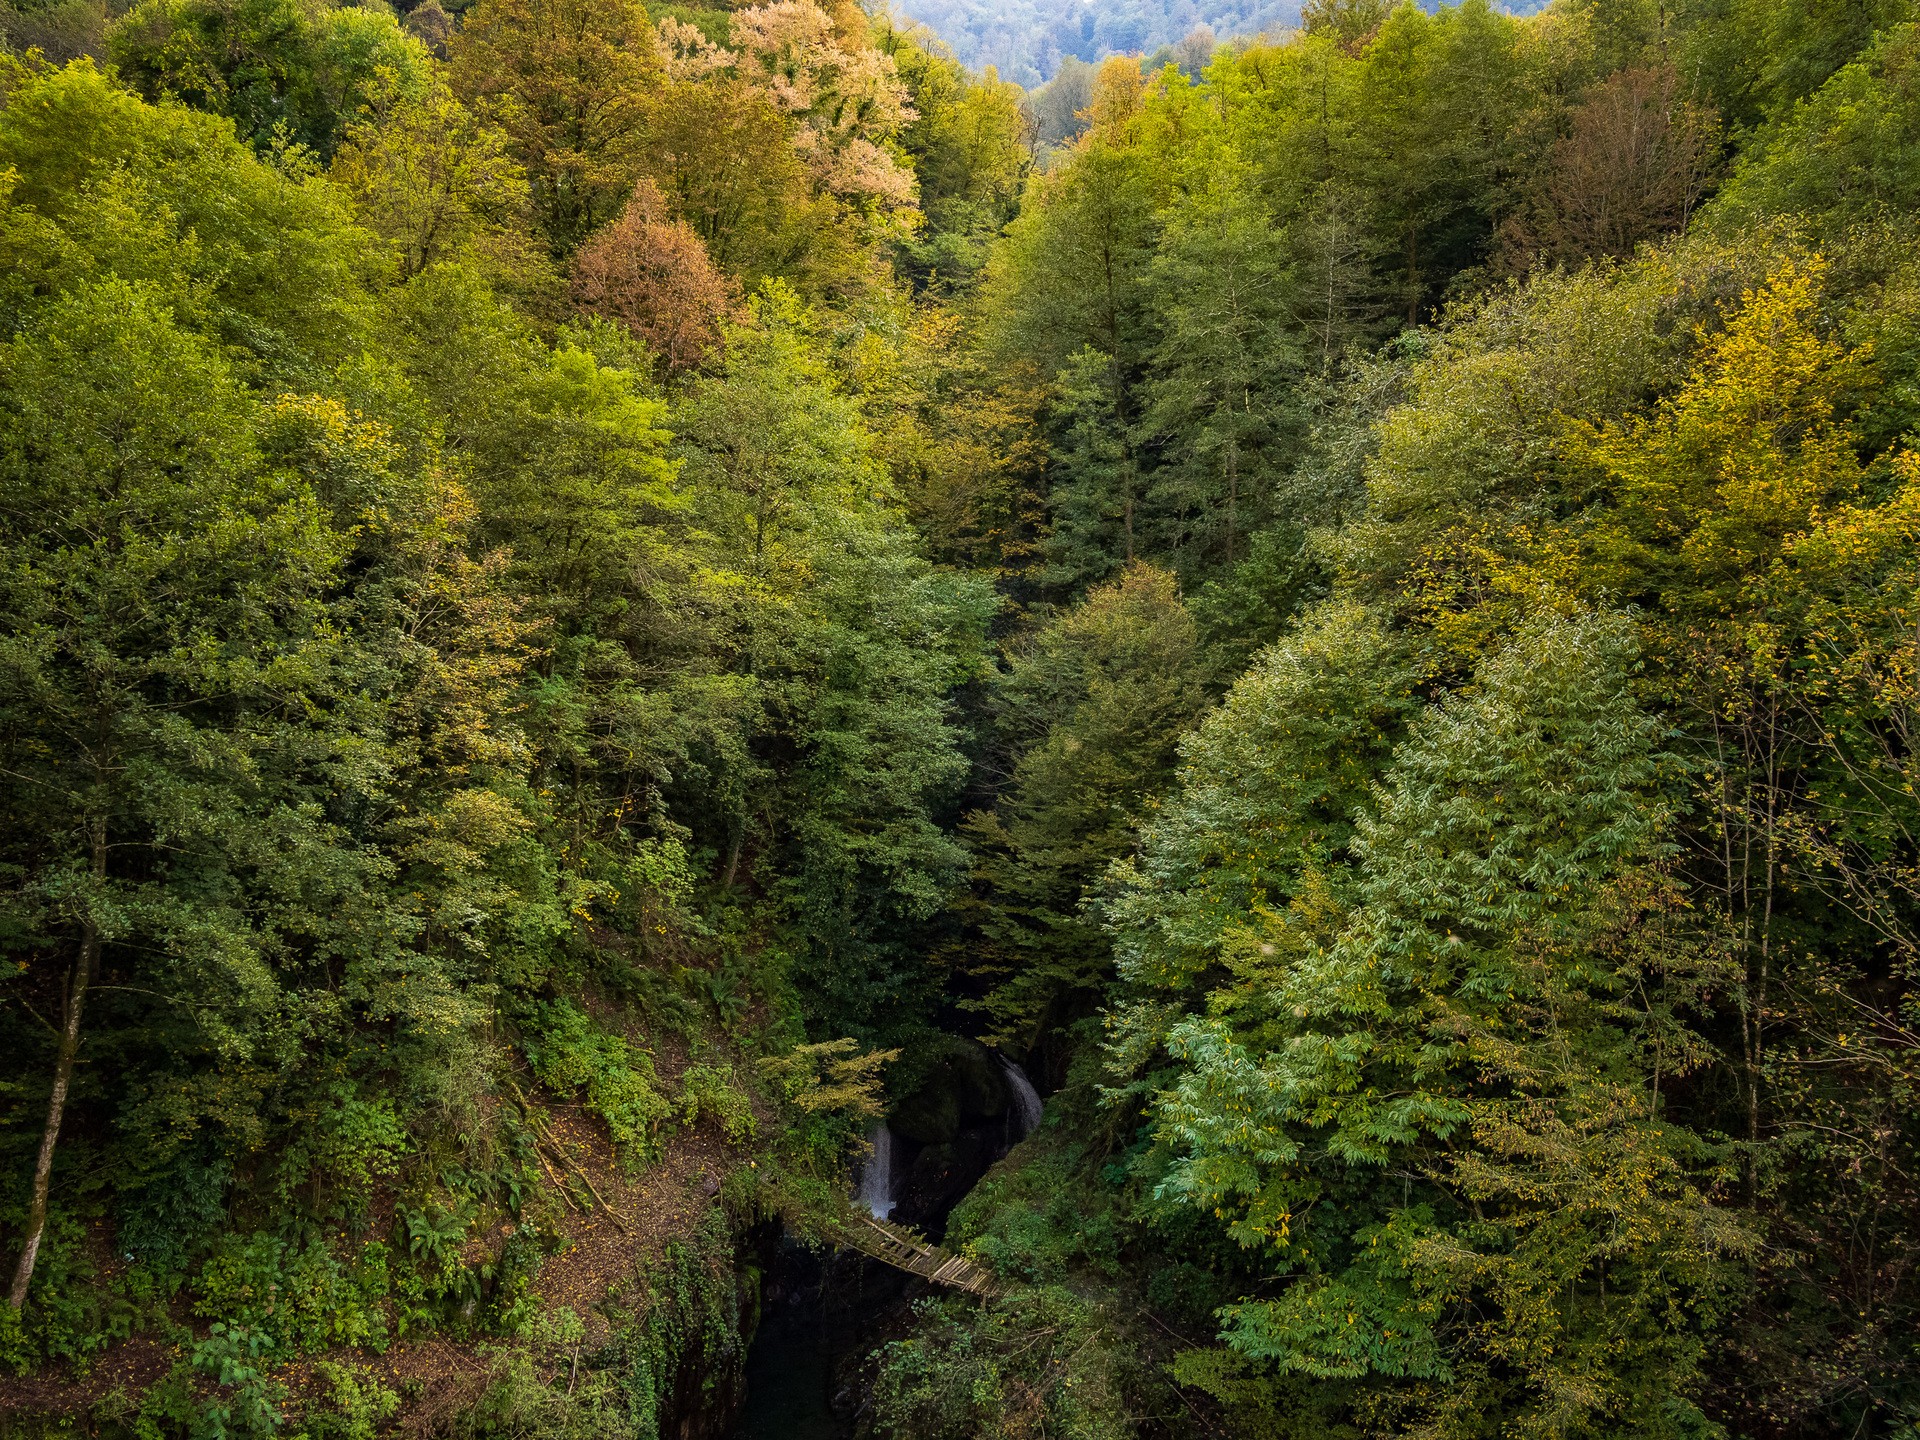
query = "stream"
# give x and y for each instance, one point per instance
(821, 1312)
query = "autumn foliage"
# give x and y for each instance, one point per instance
(1635, 162)
(600, 600)
(652, 275)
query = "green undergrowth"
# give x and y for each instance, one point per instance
(676, 1341)
(274, 1309)
(1107, 1296)
(672, 1346)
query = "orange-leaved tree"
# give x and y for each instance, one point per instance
(652, 275)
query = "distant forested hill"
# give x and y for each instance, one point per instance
(1027, 39)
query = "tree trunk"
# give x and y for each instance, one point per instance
(733, 856)
(84, 965)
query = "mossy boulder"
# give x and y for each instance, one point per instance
(955, 1083)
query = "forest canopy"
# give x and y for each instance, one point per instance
(597, 600)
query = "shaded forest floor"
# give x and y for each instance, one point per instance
(601, 1257)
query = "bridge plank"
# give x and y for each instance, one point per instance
(899, 1247)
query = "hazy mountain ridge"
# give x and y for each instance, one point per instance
(1027, 39)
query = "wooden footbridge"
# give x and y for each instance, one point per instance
(899, 1247)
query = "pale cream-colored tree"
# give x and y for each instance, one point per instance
(843, 98)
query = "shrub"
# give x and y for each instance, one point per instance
(569, 1054)
(298, 1295)
(710, 1092)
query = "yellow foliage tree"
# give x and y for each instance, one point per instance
(567, 80)
(1703, 496)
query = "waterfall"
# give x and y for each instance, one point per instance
(876, 1176)
(1026, 1100)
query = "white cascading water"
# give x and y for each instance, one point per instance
(1026, 1100)
(876, 1176)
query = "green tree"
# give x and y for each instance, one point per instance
(1087, 716)
(1220, 405)
(1073, 269)
(432, 181)
(970, 145)
(284, 75)
(851, 643)
(1447, 1102)
(1263, 810)
(570, 471)
(1841, 157)
(198, 663)
(104, 184)
(567, 81)
(1757, 60)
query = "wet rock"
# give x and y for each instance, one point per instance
(956, 1086)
